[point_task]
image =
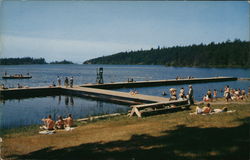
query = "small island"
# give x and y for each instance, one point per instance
(29, 60)
(62, 62)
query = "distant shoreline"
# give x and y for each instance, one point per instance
(233, 67)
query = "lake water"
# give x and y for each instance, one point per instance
(22, 112)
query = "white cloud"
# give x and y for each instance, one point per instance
(59, 49)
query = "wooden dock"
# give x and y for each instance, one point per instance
(158, 82)
(97, 91)
(142, 104)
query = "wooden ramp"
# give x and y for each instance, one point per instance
(115, 95)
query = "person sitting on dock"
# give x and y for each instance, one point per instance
(69, 121)
(133, 92)
(172, 94)
(19, 86)
(48, 123)
(3, 86)
(60, 123)
(182, 94)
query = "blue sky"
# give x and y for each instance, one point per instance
(80, 30)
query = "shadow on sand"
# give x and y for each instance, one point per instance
(181, 143)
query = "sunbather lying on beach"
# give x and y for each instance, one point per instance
(206, 109)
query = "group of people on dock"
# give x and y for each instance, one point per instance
(182, 95)
(50, 124)
(68, 82)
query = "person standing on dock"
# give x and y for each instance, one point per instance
(66, 82)
(59, 81)
(71, 81)
(191, 95)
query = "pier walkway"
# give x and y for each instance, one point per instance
(122, 97)
(141, 104)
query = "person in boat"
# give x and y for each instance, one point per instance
(60, 123)
(69, 121)
(48, 123)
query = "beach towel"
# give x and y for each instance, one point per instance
(215, 111)
(47, 132)
(69, 129)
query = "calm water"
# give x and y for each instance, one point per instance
(29, 111)
(16, 113)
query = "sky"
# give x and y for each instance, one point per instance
(81, 30)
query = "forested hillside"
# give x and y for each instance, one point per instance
(225, 54)
(24, 60)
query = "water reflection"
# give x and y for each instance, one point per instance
(21, 112)
(71, 101)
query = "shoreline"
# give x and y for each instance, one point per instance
(141, 138)
(34, 128)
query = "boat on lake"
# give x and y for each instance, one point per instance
(16, 76)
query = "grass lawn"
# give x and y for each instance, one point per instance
(168, 136)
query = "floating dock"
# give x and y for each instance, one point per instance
(158, 82)
(99, 91)
(141, 104)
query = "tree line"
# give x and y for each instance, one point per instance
(24, 60)
(29, 60)
(225, 54)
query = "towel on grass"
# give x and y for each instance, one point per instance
(47, 132)
(215, 111)
(69, 129)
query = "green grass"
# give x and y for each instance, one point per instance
(168, 136)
